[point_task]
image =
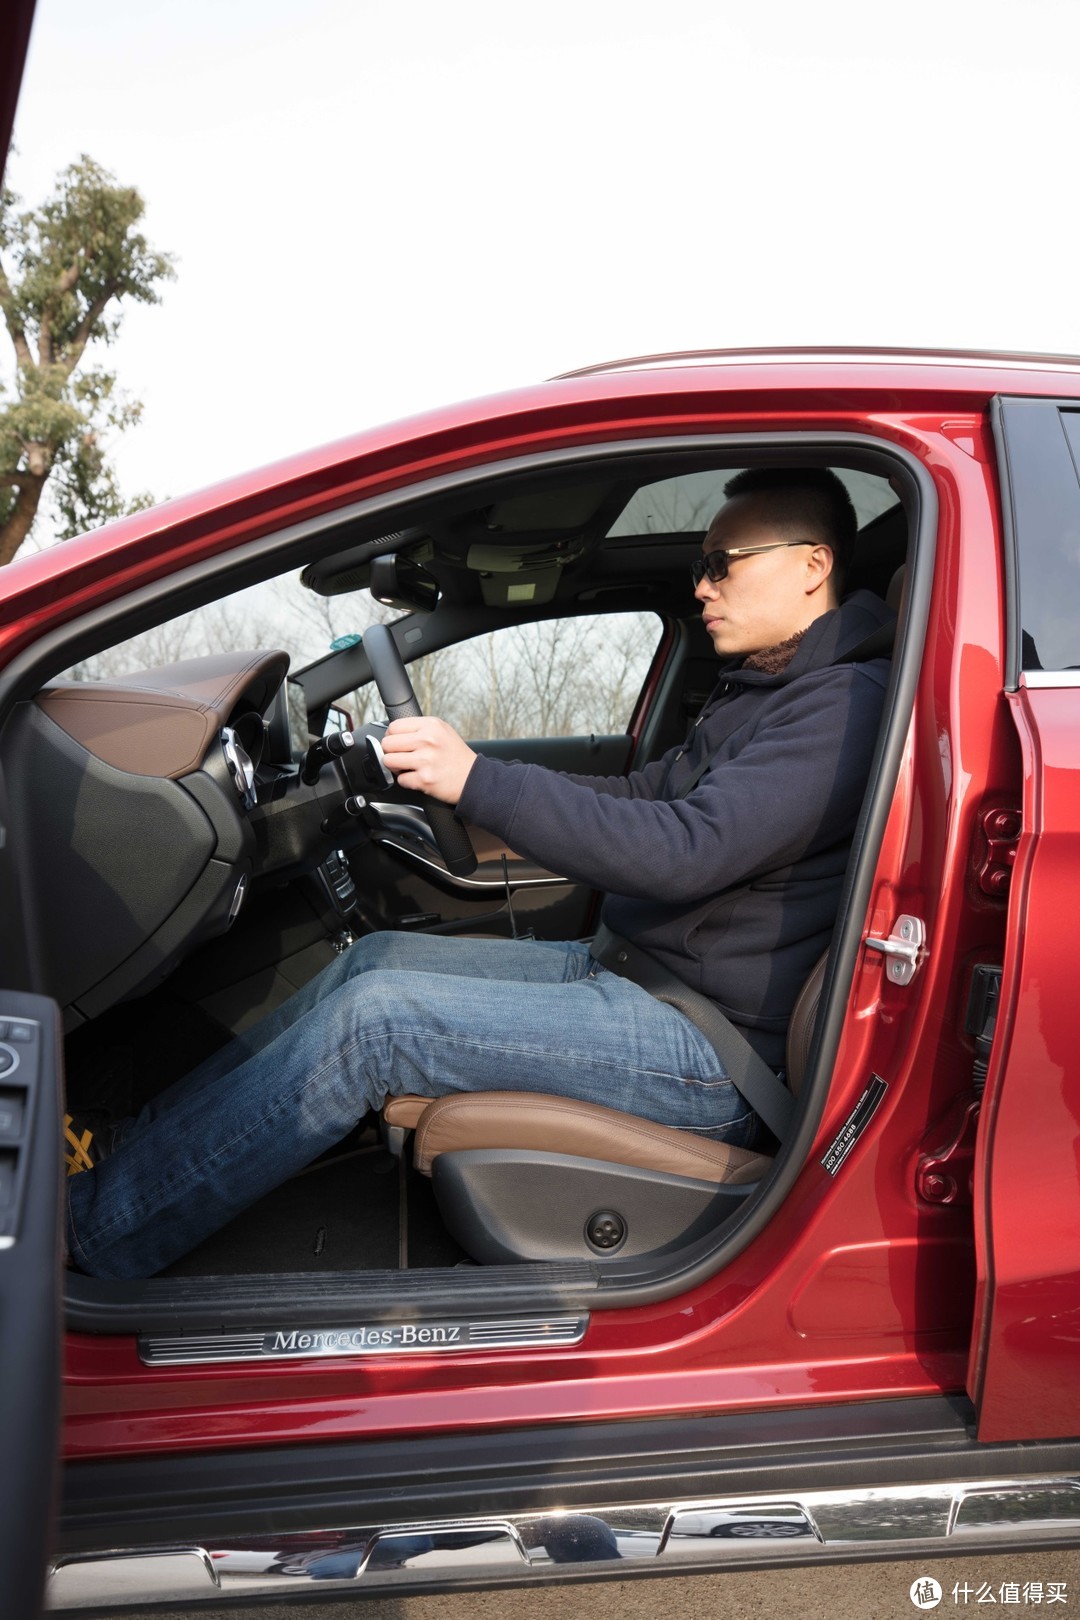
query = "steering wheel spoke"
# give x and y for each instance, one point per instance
(396, 691)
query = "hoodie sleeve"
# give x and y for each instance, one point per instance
(795, 785)
(648, 783)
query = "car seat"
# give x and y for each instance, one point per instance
(527, 1176)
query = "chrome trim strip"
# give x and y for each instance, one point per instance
(803, 357)
(888, 1521)
(689, 1528)
(410, 820)
(485, 885)
(1049, 678)
(241, 769)
(993, 1506)
(124, 1579)
(424, 1337)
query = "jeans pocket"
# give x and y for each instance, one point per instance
(716, 1109)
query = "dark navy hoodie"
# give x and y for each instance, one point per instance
(734, 887)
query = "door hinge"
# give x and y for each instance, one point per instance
(902, 950)
(1001, 828)
(944, 1171)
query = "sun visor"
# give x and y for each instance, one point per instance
(513, 576)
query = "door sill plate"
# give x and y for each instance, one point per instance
(425, 1336)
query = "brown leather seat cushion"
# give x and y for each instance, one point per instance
(552, 1124)
(405, 1111)
(508, 1119)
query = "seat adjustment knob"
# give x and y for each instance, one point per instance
(605, 1230)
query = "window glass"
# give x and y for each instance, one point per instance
(279, 613)
(1043, 445)
(687, 504)
(555, 678)
(1063, 639)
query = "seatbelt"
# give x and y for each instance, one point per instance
(878, 644)
(698, 772)
(751, 1076)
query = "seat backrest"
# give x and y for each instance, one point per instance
(801, 1026)
(895, 593)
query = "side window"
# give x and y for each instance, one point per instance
(1041, 443)
(554, 678)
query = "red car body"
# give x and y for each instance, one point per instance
(883, 1358)
(942, 1261)
(854, 1293)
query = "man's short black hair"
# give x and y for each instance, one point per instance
(804, 497)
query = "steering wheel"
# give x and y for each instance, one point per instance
(396, 691)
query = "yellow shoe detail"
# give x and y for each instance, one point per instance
(77, 1154)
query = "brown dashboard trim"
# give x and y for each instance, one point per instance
(160, 722)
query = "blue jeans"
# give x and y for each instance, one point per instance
(395, 1013)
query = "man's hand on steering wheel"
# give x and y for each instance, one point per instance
(428, 756)
(395, 688)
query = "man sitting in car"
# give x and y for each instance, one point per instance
(723, 862)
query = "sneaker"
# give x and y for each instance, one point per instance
(84, 1146)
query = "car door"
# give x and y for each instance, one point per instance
(1027, 1205)
(29, 1290)
(29, 1171)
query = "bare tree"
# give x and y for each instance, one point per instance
(553, 678)
(219, 627)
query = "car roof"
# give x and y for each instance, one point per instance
(871, 355)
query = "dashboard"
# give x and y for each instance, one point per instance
(149, 806)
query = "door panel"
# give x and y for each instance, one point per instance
(29, 1291)
(1027, 1202)
(1027, 1172)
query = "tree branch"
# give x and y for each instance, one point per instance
(66, 282)
(81, 336)
(17, 527)
(69, 279)
(15, 328)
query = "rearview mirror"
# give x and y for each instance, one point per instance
(399, 582)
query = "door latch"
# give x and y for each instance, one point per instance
(902, 950)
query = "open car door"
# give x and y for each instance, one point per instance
(30, 1177)
(1027, 1326)
(1028, 1318)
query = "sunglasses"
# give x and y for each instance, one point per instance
(714, 565)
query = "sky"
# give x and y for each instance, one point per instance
(378, 207)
